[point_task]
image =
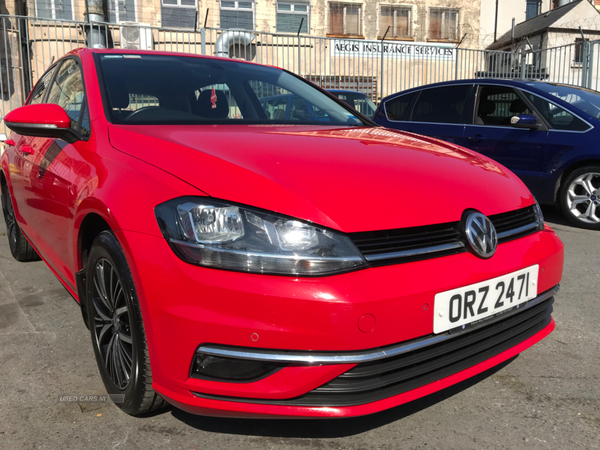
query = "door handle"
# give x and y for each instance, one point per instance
(477, 138)
(9, 142)
(26, 149)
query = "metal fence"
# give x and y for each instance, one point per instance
(378, 68)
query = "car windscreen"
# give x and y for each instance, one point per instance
(358, 101)
(147, 89)
(586, 100)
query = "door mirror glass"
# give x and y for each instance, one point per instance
(523, 121)
(44, 120)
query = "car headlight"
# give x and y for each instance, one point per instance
(539, 216)
(216, 234)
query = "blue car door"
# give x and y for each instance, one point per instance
(491, 133)
(441, 112)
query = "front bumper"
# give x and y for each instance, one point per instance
(186, 306)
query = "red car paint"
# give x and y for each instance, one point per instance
(315, 173)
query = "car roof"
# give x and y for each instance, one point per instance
(119, 51)
(524, 84)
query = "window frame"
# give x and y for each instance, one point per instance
(345, 4)
(444, 11)
(117, 20)
(178, 5)
(293, 12)
(237, 8)
(57, 66)
(53, 9)
(394, 8)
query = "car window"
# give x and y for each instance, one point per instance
(441, 105)
(67, 91)
(299, 109)
(497, 104)
(398, 108)
(139, 101)
(195, 90)
(275, 108)
(215, 101)
(558, 118)
(586, 100)
(37, 96)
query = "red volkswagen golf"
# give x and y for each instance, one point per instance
(235, 263)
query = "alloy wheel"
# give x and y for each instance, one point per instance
(112, 323)
(9, 218)
(583, 198)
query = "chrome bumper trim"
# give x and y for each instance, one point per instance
(320, 357)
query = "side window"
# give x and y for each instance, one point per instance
(497, 104)
(398, 108)
(299, 109)
(557, 117)
(41, 87)
(275, 108)
(215, 101)
(67, 91)
(441, 105)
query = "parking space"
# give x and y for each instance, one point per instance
(546, 398)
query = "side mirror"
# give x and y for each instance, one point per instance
(43, 120)
(524, 121)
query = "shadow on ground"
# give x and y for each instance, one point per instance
(324, 428)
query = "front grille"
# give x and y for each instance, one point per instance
(432, 241)
(376, 380)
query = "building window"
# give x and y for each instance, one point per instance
(178, 13)
(290, 15)
(238, 15)
(398, 19)
(532, 9)
(54, 9)
(121, 11)
(345, 19)
(579, 50)
(443, 24)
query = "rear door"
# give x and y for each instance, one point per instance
(440, 112)
(490, 133)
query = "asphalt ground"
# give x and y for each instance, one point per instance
(546, 398)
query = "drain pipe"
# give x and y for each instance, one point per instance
(229, 38)
(95, 13)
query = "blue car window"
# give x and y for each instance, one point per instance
(497, 104)
(441, 105)
(558, 118)
(398, 108)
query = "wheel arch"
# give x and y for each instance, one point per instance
(570, 169)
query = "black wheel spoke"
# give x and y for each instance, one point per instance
(112, 325)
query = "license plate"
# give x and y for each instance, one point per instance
(472, 303)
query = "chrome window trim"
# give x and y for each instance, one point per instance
(416, 252)
(295, 357)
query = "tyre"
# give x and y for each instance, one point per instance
(117, 329)
(580, 197)
(20, 248)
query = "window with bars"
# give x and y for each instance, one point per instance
(443, 24)
(178, 13)
(398, 19)
(345, 19)
(291, 15)
(236, 14)
(121, 11)
(54, 9)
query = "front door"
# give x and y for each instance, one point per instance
(491, 134)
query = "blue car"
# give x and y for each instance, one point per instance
(359, 101)
(548, 134)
